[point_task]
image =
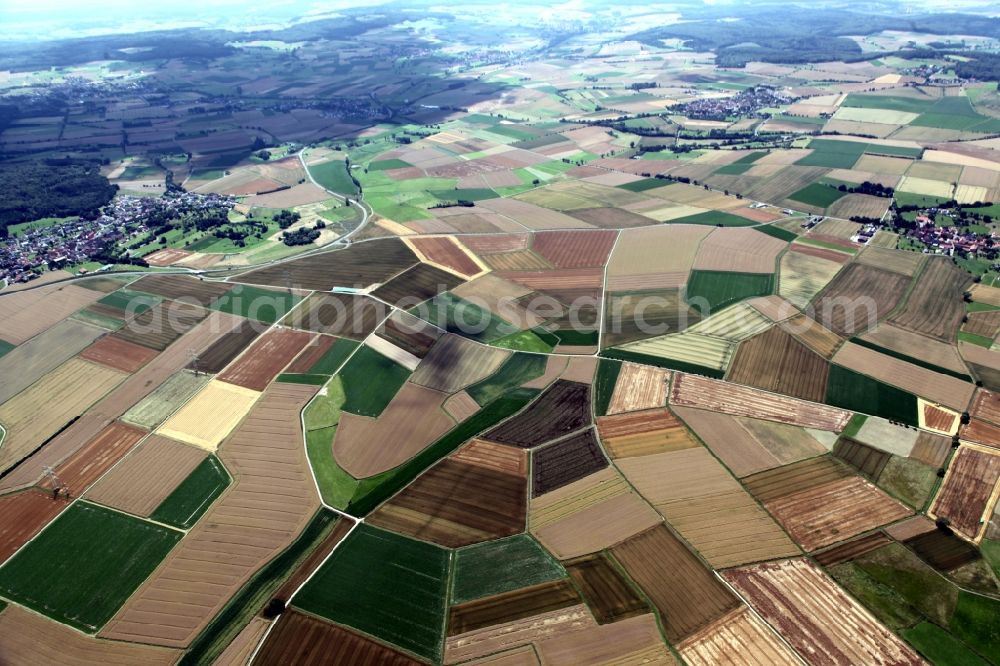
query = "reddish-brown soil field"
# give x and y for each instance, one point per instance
(935, 306)
(342, 315)
(560, 279)
(218, 356)
(851, 549)
(639, 387)
(986, 324)
(643, 433)
(359, 265)
(943, 551)
(738, 639)
(574, 249)
(560, 410)
(485, 454)
(166, 257)
(685, 592)
(564, 462)
(415, 285)
(931, 449)
(118, 354)
(938, 419)
(445, 251)
(821, 253)
(495, 243)
(145, 478)
(181, 287)
(97, 456)
(304, 640)
(120, 400)
(790, 479)
(982, 432)
(409, 333)
(266, 358)
(607, 593)
(519, 260)
(865, 459)
(967, 491)
(511, 606)
(312, 353)
(857, 298)
(22, 516)
(457, 503)
(235, 537)
(696, 391)
(987, 406)
(775, 361)
(30, 639)
(821, 621)
(159, 326)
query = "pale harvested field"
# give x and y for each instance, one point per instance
(640, 251)
(500, 637)
(967, 194)
(935, 188)
(394, 353)
(892, 166)
(982, 293)
(739, 249)
(729, 440)
(789, 180)
(412, 420)
(802, 276)
(532, 216)
(461, 406)
(897, 261)
(554, 367)
(710, 509)
(25, 364)
(835, 511)
(924, 168)
(25, 314)
(297, 195)
(235, 537)
(39, 412)
(878, 116)
(154, 409)
(814, 335)
(918, 346)
(643, 433)
(977, 176)
(739, 639)
(936, 387)
(639, 387)
(519, 260)
(589, 515)
(211, 415)
(238, 652)
(952, 156)
(774, 307)
(885, 239)
(735, 323)
(580, 369)
(140, 482)
(30, 639)
(863, 205)
(843, 229)
(692, 194)
(687, 347)
(696, 391)
(885, 436)
(635, 640)
(820, 620)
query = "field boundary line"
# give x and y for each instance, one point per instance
(759, 617)
(604, 295)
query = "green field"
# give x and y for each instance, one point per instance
(851, 390)
(604, 384)
(386, 165)
(324, 410)
(370, 381)
(976, 622)
(833, 153)
(302, 378)
(183, 507)
(333, 176)
(385, 585)
(740, 166)
(710, 291)
(662, 362)
(5, 347)
(334, 357)
(264, 305)
(974, 339)
(922, 200)
(956, 113)
(461, 317)
(524, 341)
(134, 302)
(893, 103)
(715, 218)
(516, 370)
(85, 564)
(817, 195)
(500, 566)
(466, 194)
(777, 232)
(645, 184)
(854, 425)
(940, 647)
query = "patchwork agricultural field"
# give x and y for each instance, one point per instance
(615, 335)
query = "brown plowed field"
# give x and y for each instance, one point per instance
(738, 249)
(636, 640)
(495, 243)
(30, 639)
(266, 358)
(412, 421)
(304, 640)
(628, 315)
(118, 354)
(445, 251)
(865, 459)
(228, 347)
(96, 457)
(686, 593)
(821, 340)
(857, 298)
(834, 511)
(982, 432)
(235, 537)
(739, 639)
(518, 260)
(456, 503)
(935, 306)
(936, 387)
(643, 433)
(777, 483)
(897, 261)
(415, 285)
(493, 456)
(986, 406)
(511, 606)
(239, 651)
(821, 253)
(455, 362)
(607, 593)
(342, 315)
(118, 401)
(22, 516)
(696, 391)
(943, 551)
(639, 387)
(461, 406)
(742, 452)
(25, 314)
(409, 333)
(561, 409)
(182, 287)
(359, 265)
(159, 326)
(557, 279)
(918, 346)
(312, 353)
(612, 218)
(492, 640)
(574, 249)
(144, 479)
(939, 419)
(986, 324)
(26, 363)
(566, 461)
(821, 621)
(911, 527)
(931, 449)
(968, 491)
(775, 361)
(851, 549)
